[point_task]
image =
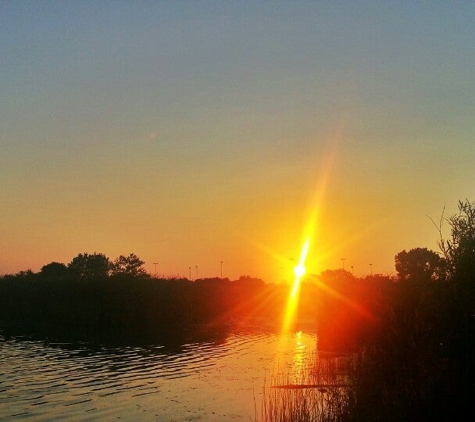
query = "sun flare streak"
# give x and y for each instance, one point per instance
(292, 301)
(310, 231)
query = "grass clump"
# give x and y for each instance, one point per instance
(322, 394)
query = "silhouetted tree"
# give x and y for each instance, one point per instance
(459, 251)
(329, 276)
(90, 266)
(130, 265)
(54, 270)
(22, 275)
(419, 264)
(249, 282)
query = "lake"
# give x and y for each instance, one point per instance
(219, 376)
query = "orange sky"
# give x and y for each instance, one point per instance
(195, 133)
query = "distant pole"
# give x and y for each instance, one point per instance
(343, 263)
(371, 267)
(155, 263)
(190, 272)
(196, 266)
(221, 269)
(352, 269)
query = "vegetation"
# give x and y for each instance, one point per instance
(93, 298)
(415, 356)
(420, 264)
(410, 339)
(323, 394)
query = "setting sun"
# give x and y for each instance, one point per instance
(299, 270)
(292, 301)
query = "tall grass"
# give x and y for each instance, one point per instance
(322, 394)
(417, 366)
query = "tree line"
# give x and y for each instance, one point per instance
(94, 266)
(411, 337)
(414, 334)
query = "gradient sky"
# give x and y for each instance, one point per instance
(195, 132)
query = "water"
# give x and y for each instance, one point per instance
(209, 380)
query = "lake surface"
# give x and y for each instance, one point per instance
(217, 379)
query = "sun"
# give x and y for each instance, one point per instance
(292, 301)
(309, 235)
(299, 270)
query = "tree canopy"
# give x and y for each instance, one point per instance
(459, 251)
(329, 276)
(419, 264)
(130, 265)
(54, 270)
(89, 266)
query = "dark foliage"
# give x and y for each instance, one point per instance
(123, 305)
(87, 267)
(459, 250)
(130, 266)
(420, 264)
(413, 340)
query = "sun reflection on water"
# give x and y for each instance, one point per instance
(299, 359)
(296, 358)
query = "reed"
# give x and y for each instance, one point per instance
(322, 394)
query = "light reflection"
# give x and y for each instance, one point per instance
(299, 367)
(295, 360)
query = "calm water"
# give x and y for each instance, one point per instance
(214, 380)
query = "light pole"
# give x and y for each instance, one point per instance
(155, 263)
(371, 268)
(221, 269)
(196, 266)
(343, 263)
(190, 272)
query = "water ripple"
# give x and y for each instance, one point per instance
(208, 380)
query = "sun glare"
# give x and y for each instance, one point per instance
(309, 233)
(299, 270)
(292, 301)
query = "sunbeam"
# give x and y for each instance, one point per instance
(292, 301)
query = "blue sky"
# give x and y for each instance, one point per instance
(195, 132)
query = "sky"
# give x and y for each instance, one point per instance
(205, 136)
